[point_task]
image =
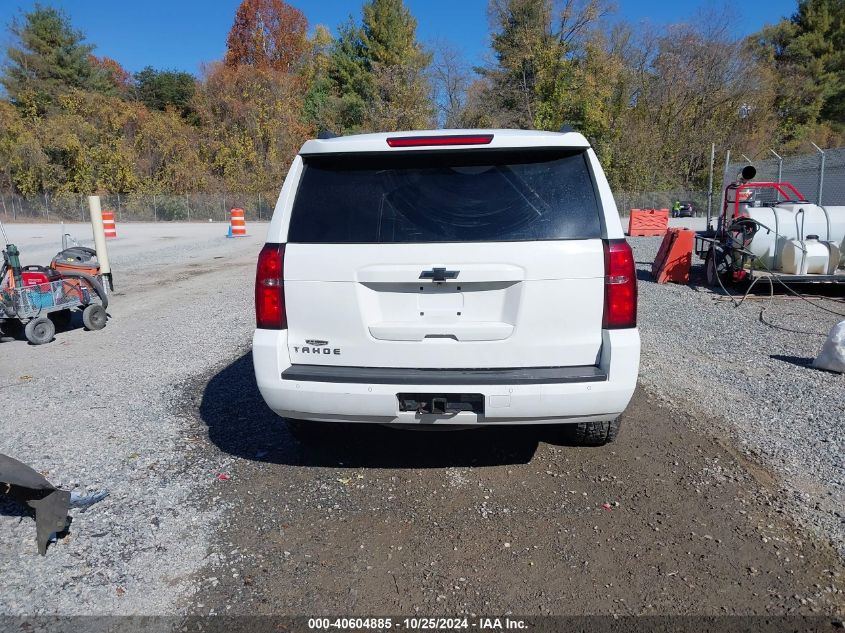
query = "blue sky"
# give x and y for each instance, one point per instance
(182, 34)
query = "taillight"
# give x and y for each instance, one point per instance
(445, 139)
(620, 286)
(270, 288)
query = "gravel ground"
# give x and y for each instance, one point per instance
(163, 400)
(95, 409)
(667, 520)
(700, 354)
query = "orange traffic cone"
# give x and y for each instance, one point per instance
(237, 223)
(109, 226)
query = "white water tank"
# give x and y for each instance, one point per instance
(794, 221)
(809, 257)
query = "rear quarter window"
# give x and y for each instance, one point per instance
(466, 196)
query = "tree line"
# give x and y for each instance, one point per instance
(651, 101)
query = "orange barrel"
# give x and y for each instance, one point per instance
(237, 223)
(108, 225)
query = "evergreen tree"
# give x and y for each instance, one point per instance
(158, 89)
(822, 27)
(349, 73)
(49, 58)
(378, 71)
(806, 57)
(535, 43)
(389, 35)
(522, 43)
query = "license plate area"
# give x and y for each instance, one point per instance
(441, 403)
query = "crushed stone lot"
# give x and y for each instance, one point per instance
(722, 495)
(96, 410)
(700, 354)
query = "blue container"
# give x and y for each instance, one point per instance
(41, 300)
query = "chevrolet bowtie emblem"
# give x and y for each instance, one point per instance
(439, 274)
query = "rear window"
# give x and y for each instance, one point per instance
(467, 196)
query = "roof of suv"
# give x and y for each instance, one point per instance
(501, 139)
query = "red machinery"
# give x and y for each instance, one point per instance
(761, 221)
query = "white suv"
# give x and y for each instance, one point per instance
(461, 277)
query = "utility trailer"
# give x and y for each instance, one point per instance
(768, 230)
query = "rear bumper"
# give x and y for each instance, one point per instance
(524, 396)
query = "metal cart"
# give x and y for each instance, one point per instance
(31, 305)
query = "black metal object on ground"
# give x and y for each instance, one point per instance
(26, 485)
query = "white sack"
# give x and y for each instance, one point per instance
(832, 356)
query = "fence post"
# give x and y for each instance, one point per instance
(188, 204)
(155, 210)
(780, 171)
(726, 179)
(710, 184)
(119, 217)
(259, 206)
(821, 173)
(46, 207)
(5, 213)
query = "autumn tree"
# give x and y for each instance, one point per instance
(685, 88)
(23, 163)
(319, 107)
(119, 77)
(251, 126)
(267, 34)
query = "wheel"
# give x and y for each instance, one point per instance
(716, 267)
(94, 317)
(593, 433)
(39, 331)
(61, 318)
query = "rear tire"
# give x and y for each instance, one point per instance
(39, 331)
(94, 317)
(594, 433)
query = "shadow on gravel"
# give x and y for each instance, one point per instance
(800, 361)
(12, 328)
(241, 424)
(644, 275)
(10, 508)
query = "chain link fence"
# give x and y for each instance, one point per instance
(809, 173)
(625, 201)
(187, 207)
(202, 207)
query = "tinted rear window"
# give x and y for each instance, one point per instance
(467, 196)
